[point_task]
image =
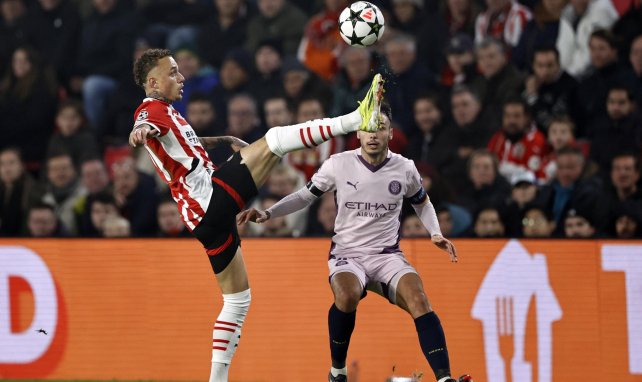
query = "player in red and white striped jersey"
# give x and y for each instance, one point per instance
(209, 198)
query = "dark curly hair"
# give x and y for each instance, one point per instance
(147, 62)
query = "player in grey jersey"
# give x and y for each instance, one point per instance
(370, 185)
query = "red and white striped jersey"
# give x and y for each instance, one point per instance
(180, 159)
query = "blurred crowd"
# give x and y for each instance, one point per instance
(523, 117)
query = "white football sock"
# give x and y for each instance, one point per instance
(227, 333)
(283, 139)
(336, 372)
(444, 379)
(219, 372)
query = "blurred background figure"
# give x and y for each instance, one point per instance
(18, 193)
(116, 227)
(413, 227)
(42, 222)
(170, 223)
(63, 189)
(488, 223)
(537, 222)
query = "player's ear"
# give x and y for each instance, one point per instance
(151, 83)
(359, 135)
(390, 134)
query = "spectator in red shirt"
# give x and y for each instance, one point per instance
(519, 146)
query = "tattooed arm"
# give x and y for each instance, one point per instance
(212, 142)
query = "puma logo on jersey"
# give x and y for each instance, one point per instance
(353, 185)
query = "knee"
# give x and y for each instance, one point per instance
(346, 298)
(418, 304)
(237, 303)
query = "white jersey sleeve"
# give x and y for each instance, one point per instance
(415, 191)
(324, 179)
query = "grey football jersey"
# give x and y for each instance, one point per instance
(369, 200)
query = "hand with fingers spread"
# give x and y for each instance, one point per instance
(445, 245)
(252, 215)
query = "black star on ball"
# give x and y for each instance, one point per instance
(374, 28)
(356, 40)
(355, 16)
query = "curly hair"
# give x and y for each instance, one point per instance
(147, 62)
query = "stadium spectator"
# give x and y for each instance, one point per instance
(18, 192)
(608, 72)
(285, 179)
(537, 222)
(549, 91)
(135, 197)
(352, 82)
(624, 182)
(620, 130)
(266, 79)
(42, 222)
(52, 28)
(299, 82)
(523, 192)
(116, 227)
(407, 16)
(278, 112)
(198, 77)
(635, 58)
(72, 134)
(570, 189)
(94, 178)
(503, 20)
(277, 226)
(627, 222)
(202, 117)
(243, 119)
(174, 23)
(578, 224)
(27, 106)
(277, 19)
(580, 18)
(454, 17)
(433, 144)
(461, 68)
(225, 30)
(409, 78)
(234, 78)
(322, 217)
(472, 130)
(104, 53)
(120, 106)
(560, 134)
(12, 29)
(488, 223)
(413, 227)
(63, 189)
(322, 43)
(309, 160)
(499, 80)
(446, 220)
(170, 223)
(519, 146)
(540, 31)
(203, 120)
(102, 207)
(483, 185)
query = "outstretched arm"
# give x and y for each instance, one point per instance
(428, 216)
(140, 133)
(289, 204)
(212, 142)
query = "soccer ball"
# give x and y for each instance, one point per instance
(361, 24)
